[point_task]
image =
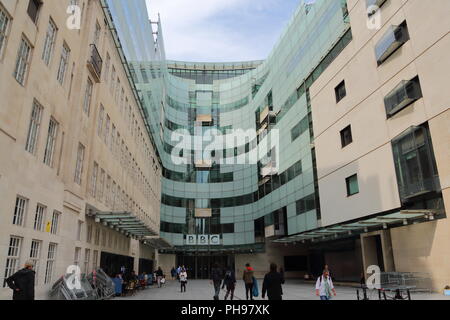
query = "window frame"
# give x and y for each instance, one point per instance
(348, 181)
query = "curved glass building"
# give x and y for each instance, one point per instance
(244, 153)
(219, 203)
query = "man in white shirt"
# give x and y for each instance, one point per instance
(325, 287)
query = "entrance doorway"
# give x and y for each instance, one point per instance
(112, 263)
(200, 266)
(373, 251)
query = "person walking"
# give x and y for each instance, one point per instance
(248, 278)
(173, 273)
(159, 276)
(324, 286)
(183, 279)
(229, 282)
(272, 284)
(216, 280)
(22, 282)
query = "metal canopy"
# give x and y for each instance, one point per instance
(363, 226)
(157, 243)
(125, 223)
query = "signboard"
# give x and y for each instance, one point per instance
(202, 240)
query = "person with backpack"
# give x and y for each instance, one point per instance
(272, 284)
(216, 280)
(325, 287)
(248, 278)
(229, 282)
(183, 279)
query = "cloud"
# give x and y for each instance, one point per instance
(221, 30)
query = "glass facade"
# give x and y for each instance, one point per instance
(184, 100)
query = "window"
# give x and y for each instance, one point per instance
(102, 185)
(393, 39)
(49, 43)
(97, 34)
(88, 97)
(306, 204)
(79, 230)
(39, 217)
(20, 211)
(116, 94)
(87, 258)
(89, 234)
(107, 126)
(108, 63)
(300, 128)
(346, 136)
(94, 180)
(79, 164)
(340, 91)
(97, 236)
(13, 257)
(33, 9)
(23, 61)
(51, 141)
(113, 79)
(415, 163)
(113, 139)
(55, 222)
(101, 116)
(406, 93)
(352, 185)
(108, 188)
(33, 129)
(51, 257)
(4, 29)
(35, 256)
(77, 256)
(63, 64)
(95, 260)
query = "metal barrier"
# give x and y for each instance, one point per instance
(418, 282)
(64, 289)
(96, 286)
(102, 284)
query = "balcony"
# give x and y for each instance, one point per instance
(406, 93)
(95, 63)
(392, 40)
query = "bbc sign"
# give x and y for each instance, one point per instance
(203, 240)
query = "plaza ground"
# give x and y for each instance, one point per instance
(293, 290)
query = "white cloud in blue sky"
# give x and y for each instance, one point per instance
(221, 30)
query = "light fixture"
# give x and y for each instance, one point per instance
(384, 226)
(405, 222)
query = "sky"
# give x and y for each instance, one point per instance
(221, 30)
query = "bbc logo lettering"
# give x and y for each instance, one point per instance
(203, 240)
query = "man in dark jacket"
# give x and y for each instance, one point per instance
(216, 280)
(229, 281)
(22, 283)
(272, 284)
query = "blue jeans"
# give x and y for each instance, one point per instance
(325, 298)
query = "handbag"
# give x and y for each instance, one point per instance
(255, 288)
